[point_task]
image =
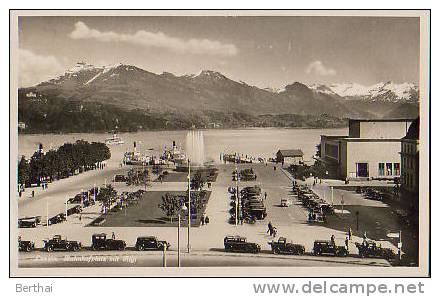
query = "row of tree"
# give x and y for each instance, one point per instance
(67, 160)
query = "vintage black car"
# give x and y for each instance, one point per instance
(101, 242)
(59, 218)
(74, 210)
(248, 174)
(326, 247)
(120, 178)
(283, 247)
(29, 222)
(25, 245)
(371, 249)
(240, 244)
(59, 244)
(150, 243)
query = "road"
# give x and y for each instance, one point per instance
(195, 259)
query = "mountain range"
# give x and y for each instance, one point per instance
(131, 88)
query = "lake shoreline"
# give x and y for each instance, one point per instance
(199, 129)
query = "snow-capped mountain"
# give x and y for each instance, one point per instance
(130, 87)
(380, 92)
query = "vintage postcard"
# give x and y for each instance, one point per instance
(219, 143)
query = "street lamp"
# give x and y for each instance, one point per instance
(184, 209)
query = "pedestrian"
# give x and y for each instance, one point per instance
(265, 195)
(274, 168)
(19, 193)
(274, 231)
(113, 236)
(33, 193)
(80, 217)
(350, 234)
(269, 228)
(202, 220)
(332, 239)
(346, 243)
(206, 220)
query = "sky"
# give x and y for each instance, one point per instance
(261, 51)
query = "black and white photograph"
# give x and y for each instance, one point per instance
(219, 142)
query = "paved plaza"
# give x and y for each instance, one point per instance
(291, 222)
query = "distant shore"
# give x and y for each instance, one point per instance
(23, 133)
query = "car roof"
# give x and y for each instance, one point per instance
(234, 237)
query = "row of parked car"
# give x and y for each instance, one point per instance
(251, 206)
(368, 249)
(99, 242)
(318, 208)
(77, 203)
(246, 174)
(370, 193)
(231, 244)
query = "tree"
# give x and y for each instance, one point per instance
(36, 165)
(107, 196)
(171, 205)
(197, 181)
(23, 171)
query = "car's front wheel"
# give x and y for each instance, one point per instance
(140, 247)
(49, 248)
(28, 248)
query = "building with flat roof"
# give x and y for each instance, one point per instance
(369, 151)
(291, 157)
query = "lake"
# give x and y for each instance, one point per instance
(257, 142)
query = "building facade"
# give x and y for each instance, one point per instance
(370, 151)
(290, 157)
(410, 159)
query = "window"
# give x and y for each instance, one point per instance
(362, 169)
(389, 171)
(397, 169)
(381, 169)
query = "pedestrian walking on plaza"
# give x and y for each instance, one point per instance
(269, 228)
(274, 231)
(202, 220)
(33, 193)
(206, 220)
(265, 195)
(80, 217)
(364, 239)
(346, 243)
(350, 234)
(113, 236)
(332, 239)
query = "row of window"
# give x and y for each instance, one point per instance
(409, 148)
(389, 169)
(409, 163)
(409, 181)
